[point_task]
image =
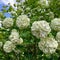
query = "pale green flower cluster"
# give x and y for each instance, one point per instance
(22, 21)
(14, 37)
(48, 45)
(40, 29)
(55, 24)
(8, 46)
(58, 39)
(8, 22)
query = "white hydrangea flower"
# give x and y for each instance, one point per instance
(48, 45)
(22, 21)
(44, 3)
(1, 44)
(8, 22)
(58, 36)
(14, 37)
(8, 46)
(40, 29)
(55, 24)
(58, 39)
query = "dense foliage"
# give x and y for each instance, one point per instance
(29, 49)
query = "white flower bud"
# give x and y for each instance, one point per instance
(8, 46)
(55, 24)
(48, 45)
(40, 29)
(22, 21)
(8, 22)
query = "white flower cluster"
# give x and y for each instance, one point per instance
(58, 39)
(40, 29)
(44, 3)
(8, 46)
(14, 37)
(22, 21)
(48, 45)
(55, 24)
(7, 22)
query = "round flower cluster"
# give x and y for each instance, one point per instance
(22, 21)
(44, 3)
(14, 37)
(48, 45)
(58, 36)
(55, 24)
(8, 46)
(40, 29)
(7, 22)
(58, 39)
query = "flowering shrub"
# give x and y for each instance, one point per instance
(32, 32)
